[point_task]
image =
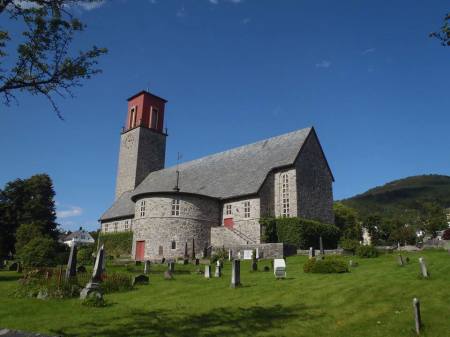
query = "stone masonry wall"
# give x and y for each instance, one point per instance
(114, 226)
(250, 226)
(158, 227)
(142, 151)
(267, 197)
(314, 183)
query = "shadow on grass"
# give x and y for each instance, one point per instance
(217, 322)
(10, 277)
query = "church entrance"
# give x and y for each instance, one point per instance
(140, 250)
(228, 223)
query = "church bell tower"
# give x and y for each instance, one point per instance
(142, 142)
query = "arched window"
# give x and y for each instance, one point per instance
(285, 195)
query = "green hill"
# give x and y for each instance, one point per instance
(403, 195)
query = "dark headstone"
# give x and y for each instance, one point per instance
(235, 273)
(71, 270)
(137, 263)
(322, 251)
(266, 268)
(140, 279)
(417, 317)
(168, 275)
(197, 262)
(13, 266)
(193, 249)
(81, 269)
(186, 254)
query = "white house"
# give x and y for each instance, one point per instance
(80, 237)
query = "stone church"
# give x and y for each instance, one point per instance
(216, 200)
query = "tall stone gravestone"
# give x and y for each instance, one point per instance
(254, 261)
(423, 268)
(218, 272)
(312, 252)
(235, 273)
(208, 271)
(417, 317)
(230, 254)
(71, 270)
(322, 251)
(93, 285)
(147, 267)
(400, 260)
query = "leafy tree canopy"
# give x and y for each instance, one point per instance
(43, 62)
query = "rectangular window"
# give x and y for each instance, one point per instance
(126, 225)
(154, 123)
(228, 210)
(176, 207)
(115, 226)
(174, 245)
(133, 117)
(285, 195)
(247, 209)
(142, 210)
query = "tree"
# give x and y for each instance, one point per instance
(43, 63)
(444, 32)
(25, 233)
(26, 201)
(347, 220)
(39, 252)
(433, 218)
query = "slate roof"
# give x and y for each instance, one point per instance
(229, 174)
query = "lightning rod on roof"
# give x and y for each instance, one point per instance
(177, 186)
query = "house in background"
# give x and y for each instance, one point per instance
(80, 237)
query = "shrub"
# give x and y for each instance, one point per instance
(304, 233)
(367, 251)
(220, 254)
(40, 251)
(446, 235)
(115, 282)
(84, 255)
(269, 230)
(117, 244)
(326, 265)
(350, 245)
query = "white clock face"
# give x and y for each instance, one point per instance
(128, 142)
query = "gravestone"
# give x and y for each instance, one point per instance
(247, 254)
(423, 267)
(312, 252)
(140, 279)
(400, 261)
(13, 266)
(71, 270)
(168, 275)
(197, 262)
(254, 262)
(417, 317)
(171, 266)
(235, 273)
(279, 268)
(147, 267)
(208, 271)
(93, 285)
(218, 271)
(322, 251)
(81, 269)
(230, 254)
(186, 253)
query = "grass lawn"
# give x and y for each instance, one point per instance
(374, 299)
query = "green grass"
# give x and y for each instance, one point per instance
(374, 299)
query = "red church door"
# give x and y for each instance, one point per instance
(140, 249)
(228, 223)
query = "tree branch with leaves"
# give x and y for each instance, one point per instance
(444, 33)
(43, 63)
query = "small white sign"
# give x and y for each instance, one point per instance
(248, 254)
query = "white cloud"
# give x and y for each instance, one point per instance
(246, 21)
(368, 51)
(152, 1)
(216, 2)
(323, 64)
(70, 212)
(90, 5)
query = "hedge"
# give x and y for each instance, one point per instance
(117, 244)
(301, 233)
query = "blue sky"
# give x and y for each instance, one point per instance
(364, 73)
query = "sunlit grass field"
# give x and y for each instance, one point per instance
(374, 299)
